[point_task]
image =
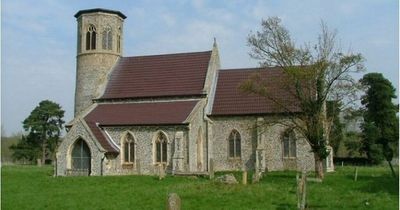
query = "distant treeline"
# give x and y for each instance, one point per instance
(356, 161)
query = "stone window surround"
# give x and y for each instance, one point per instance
(91, 36)
(123, 140)
(107, 38)
(235, 157)
(283, 135)
(154, 149)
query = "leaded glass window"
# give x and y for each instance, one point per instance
(234, 144)
(129, 148)
(161, 148)
(289, 144)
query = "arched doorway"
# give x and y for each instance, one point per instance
(80, 157)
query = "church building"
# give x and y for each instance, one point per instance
(179, 112)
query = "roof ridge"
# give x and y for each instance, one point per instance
(250, 68)
(167, 54)
(94, 10)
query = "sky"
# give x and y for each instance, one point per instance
(38, 39)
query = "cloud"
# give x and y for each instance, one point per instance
(39, 39)
(198, 4)
(168, 19)
(37, 61)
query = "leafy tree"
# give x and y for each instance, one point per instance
(336, 134)
(314, 75)
(27, 149)
(44, 126)
(353, 144)
(380, 127)
(6, 142)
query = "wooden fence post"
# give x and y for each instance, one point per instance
(211, 172)
(301, 190)
(244, 177)
(304, 190)
(298, 192)
(355, 174)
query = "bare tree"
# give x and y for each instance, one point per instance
(314, 74)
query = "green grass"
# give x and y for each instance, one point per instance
(31, 187)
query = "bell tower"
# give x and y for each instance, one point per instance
(99, 46)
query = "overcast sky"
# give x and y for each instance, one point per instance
(39, 38)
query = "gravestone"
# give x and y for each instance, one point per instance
(255, 178)
(39, 162)
(173, 202)
(256, 175)
(227, 179)
(161, 172)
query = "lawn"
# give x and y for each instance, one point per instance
(31, 187)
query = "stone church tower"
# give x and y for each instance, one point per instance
(100, 45)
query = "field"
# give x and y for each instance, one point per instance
(31, 187)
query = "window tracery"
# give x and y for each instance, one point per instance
(91, 38)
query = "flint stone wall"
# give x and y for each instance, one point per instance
(78, 131)
(270, 143)
(144, 148)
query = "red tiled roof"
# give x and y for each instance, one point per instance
(159, 113)
(229, 100)
(101, 137)
(158, 75)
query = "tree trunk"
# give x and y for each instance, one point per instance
(43, 153)
(319, 168)
(391, 168)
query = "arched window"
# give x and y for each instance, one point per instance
(128, 149)
(119, 40)
(234, 144)
(161, 148)
(289, 144)
(91, 38)
(107, 38)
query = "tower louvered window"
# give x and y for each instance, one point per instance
(91, 38)
(119, 40)
(107, 38)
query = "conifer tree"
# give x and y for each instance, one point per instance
(380, 127)
(44, 126)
